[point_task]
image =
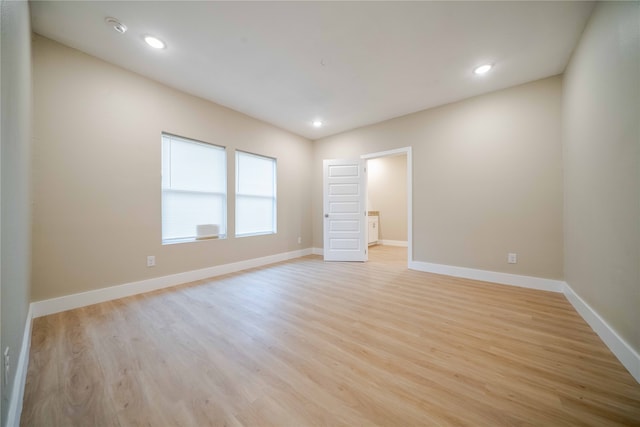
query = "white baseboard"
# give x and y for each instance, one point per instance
(627, 355)
(68, 302)
(629, 358)
(19, 381)
(402, 243)
(490, 276)
(618, 346)
(320, 251)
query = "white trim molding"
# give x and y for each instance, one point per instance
(490, 276)
(20, 379)
(401, 243)
(629, 358)
(68, 302)
(399, 152)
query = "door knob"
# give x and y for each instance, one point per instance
(326, 215)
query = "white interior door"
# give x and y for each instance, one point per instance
(345, 216)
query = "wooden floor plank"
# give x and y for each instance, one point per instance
(305, 342)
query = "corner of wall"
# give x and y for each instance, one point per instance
(629, 358)
(15, 196)
(601, 168)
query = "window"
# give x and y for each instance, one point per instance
(255, 194)
(194, 189)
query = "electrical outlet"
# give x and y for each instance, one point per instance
(299, 240)
(151, 261)
(512, 258)
(7, 366)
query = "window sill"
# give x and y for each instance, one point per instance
(266, 233)
(191, 240)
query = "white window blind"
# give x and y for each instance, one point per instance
(194, 188)
(256, 202)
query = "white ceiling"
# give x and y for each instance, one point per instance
(349, 64)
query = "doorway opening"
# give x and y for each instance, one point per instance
(389, 198)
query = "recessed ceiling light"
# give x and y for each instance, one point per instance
(317, 123)
(154, 42)
(117, 25)
(482, 69)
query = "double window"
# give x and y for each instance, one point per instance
(194, 191)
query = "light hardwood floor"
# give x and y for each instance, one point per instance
(306, 343)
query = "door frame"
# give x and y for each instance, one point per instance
(399, 152)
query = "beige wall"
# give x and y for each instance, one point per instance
(97, 175)
(601, 137)
(487, 178)
(15, 197)
(387, 194)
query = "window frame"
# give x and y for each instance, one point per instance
(274, 229)
(163, 190)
